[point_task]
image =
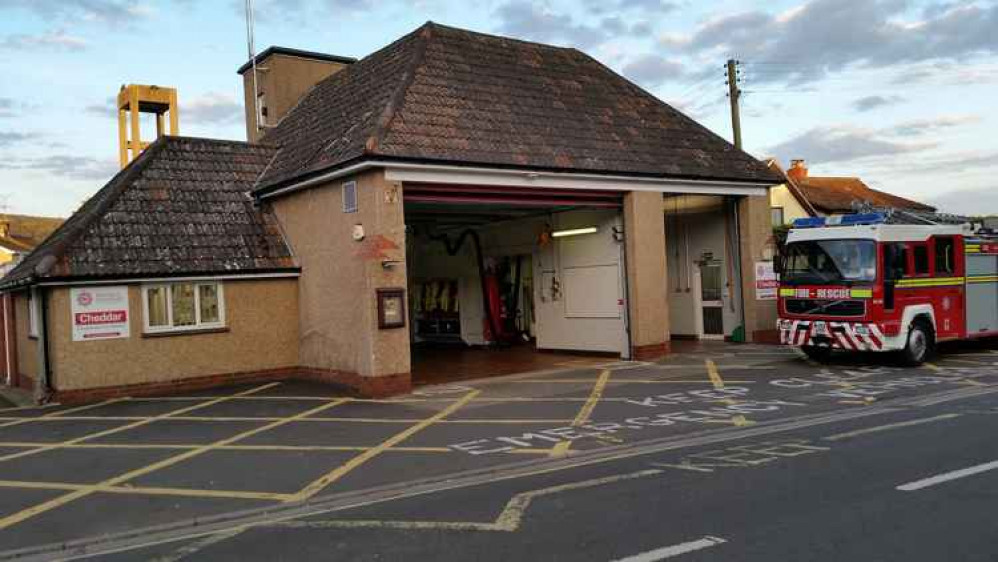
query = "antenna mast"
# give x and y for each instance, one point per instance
(250, 47)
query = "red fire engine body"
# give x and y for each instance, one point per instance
(855, 283)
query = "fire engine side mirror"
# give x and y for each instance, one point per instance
(778, 263)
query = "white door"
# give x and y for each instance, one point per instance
(710, 293)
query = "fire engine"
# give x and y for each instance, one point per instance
(861, 282)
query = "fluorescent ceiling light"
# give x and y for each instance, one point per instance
(574, 232)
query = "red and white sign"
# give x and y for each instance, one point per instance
(766, 281)
(99, 313)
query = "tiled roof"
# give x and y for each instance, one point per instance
(836, 195)
(447, 95)
(180, 208)
(25, 232)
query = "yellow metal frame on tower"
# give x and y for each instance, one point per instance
(134, 99)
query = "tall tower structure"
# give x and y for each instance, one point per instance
(134, 100)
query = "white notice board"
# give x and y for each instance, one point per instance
(99, 313)
(766, 281)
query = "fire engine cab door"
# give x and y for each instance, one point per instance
(710, 289)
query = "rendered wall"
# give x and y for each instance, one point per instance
(756, 244)
(338, 322)
(262, 321)
(648, 302)
(780, 196)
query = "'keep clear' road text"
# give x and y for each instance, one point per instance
(735, 406)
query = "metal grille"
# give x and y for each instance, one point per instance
(826, 307)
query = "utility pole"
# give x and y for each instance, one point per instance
(735, 94)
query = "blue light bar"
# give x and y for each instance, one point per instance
(809, 222)
(841, 220)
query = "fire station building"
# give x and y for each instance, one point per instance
(450, 193)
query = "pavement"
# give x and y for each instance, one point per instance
(736, 452)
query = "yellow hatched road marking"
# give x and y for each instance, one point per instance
(61, 412)
(185, 446)
(341, 471)
(126, 427)
(43, 507)
(142, 490)
(714, 374)
(508, 520)
(562, 448)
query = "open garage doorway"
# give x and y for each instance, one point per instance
(704, 275)
(508, 280)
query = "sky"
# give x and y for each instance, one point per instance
(897, 92)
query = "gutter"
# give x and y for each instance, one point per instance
(482, 176)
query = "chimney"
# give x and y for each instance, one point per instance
(282, 77)
(798, 170)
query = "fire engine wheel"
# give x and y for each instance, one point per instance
(919, 345)
(819, 354)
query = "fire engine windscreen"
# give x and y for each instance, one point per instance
(822, 262)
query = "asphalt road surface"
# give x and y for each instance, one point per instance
(854, 461)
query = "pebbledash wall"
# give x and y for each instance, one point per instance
(259, 342)
(340, 338)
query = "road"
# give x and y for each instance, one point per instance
(826, 492)
(795, 462)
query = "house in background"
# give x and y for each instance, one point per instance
(804, 195)
(20, 234)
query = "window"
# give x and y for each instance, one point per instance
(183, 306)
(920, 261)
(777, 216)
(32, 316)
(350, 197)
(945, 248)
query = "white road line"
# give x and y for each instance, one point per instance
(674, 550)
(946, 477)
(908, 423)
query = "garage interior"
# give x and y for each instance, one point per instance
(507, 280)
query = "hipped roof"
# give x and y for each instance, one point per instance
(179, 208)
(447, 95)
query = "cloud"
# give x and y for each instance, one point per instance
(870, 103)
(822, 145)
(647, 6)
(823, 36)
(527, 20)
(653, 70)
(114, 13)
(72, 167)
(971, 202)
(7, 108)
(107, 109)
(924, 126)
(54, 40)
(9, 139)
(213, 107)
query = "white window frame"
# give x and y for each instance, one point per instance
(198, 324)
(350, 185)
(33, 315)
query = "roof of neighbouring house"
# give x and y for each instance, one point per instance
(179, 208)
(23, 233)
(792, 186)
(447, 95)
(836, 195)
